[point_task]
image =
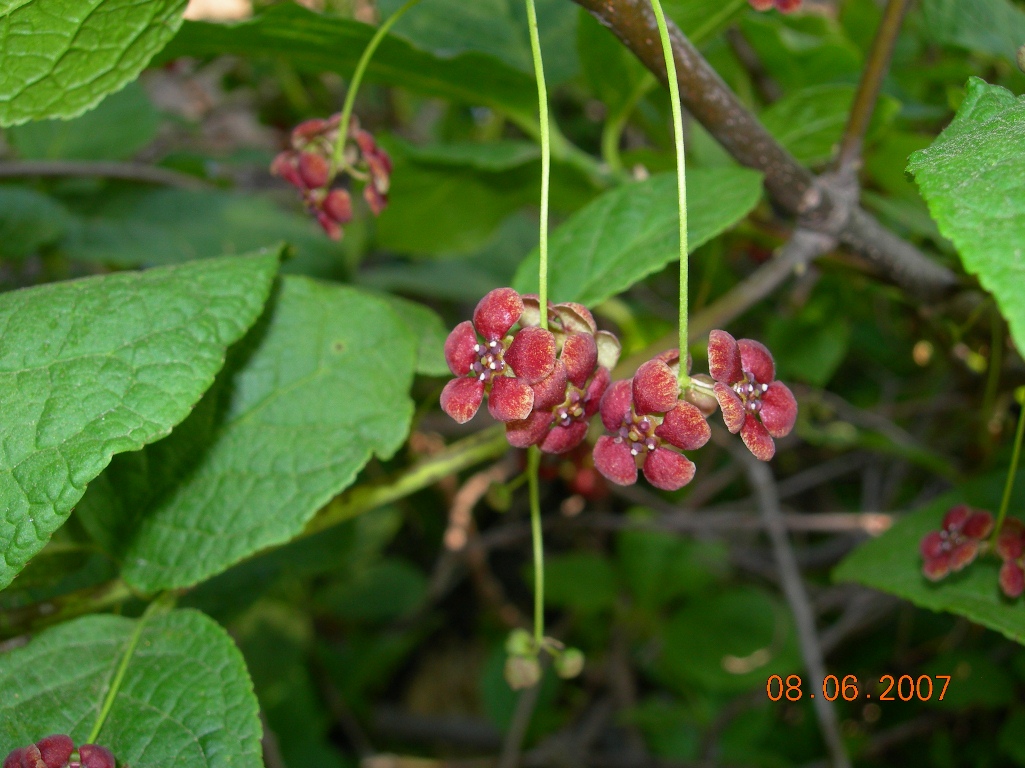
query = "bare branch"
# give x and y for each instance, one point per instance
(141, 172)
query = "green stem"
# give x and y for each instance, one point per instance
(533, 463)
(546, 159)
(357, 78)
(681, 182)
(161, 605)
(1013, 469)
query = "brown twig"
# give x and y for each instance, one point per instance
(147, 174)
(792, 186)
(848, 158)
(764, 485)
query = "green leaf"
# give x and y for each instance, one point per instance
(730, 641)
(893, 564)
(659, 567)
(29, 220)
(119, 127)
(425, 324)
(316, 43)
(383, 592)
(319, 386)
(996, 27)
(810, 122)
(583, 581)
(133, 227)
(632, 231)
(973, 179)
(185, 698)
(495, 27)
(499, 155)
(701, 19)
(802, 50)
(58, 58)
(94, 367)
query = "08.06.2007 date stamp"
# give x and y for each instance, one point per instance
(888, 688)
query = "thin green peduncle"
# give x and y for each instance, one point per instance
(1012, 470)
(546, 161)
(357, 78)
(681, 182)
(533, 463)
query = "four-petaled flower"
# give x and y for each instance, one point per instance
(956, 544)
(485, 359)
(1011, 548)
(753, 403)
(645, 416)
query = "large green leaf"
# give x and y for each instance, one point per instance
(996, 27)
(94, 367)
(632, 231)
(973, 178)
(810, 122)
(892, 563)
(185, 698)
(29, 220)
(58, 58)
(316, 42)
(319, 386)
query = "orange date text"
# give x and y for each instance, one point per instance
(848, 688)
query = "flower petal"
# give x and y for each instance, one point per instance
(931, 545)
(963, 554)
(668, 470)
(724, 358)
(705, 402)
(685, 427)
(1012, 579)
(497, 312)
(733, 413)
(614, 460)
(576, 318)
(56, 750)
(757, 439)
(459, 348)
(936, 568)
(510, 399)
(551, 390)
(562, 439)
(580, 355)
(532, 354)
(779, 409)
(756, 359)
(528, 431)
(615, 404)
(13, 760)
(461, 398)
(655, 388)
(608, 349)
(956, 517)
(1011, 541)
(979, 525)
(595, 390)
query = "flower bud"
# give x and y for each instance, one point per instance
(314, 169)
(95, 756)
(520, 643)
(569, 663)
(522, 672)
(338, 205)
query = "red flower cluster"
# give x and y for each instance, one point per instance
(57, 751)
(308, 166)
(957, 543)
(546, 385)
(783, 6)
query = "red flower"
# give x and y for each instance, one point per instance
(55, 752)
(752, 402)
(957, 543)
(645, 417)
(1011, 548)
(502, 366)
(565, 401)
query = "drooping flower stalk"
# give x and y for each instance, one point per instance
(1012, 470)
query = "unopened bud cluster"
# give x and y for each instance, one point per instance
(58, 751)
(547, 385)
(309, 167)
(522, 666)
